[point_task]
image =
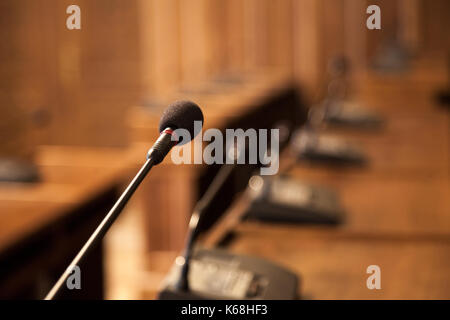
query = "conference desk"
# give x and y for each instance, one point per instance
(406, 145)
(414, 139)
(397, 211)
(400, 224)
(388, 204)
(44, 224)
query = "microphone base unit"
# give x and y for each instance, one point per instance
(15, 170)
(219, 275)
(327, 150)
(287, 200)
(349, 114)
(443, 98)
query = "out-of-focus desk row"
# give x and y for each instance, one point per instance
(397, 208)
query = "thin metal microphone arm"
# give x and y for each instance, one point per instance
(217, 183)
(155, 155)
(103, 227)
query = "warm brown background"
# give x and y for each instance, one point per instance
(74, 87)
(89, 87)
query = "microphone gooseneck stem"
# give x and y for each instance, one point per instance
(106, 223)
(162, 146)
(193, 230)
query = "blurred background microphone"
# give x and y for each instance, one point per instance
(215, 274)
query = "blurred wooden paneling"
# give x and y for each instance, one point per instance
(355, 35)
(308, 60)
(97, 73)
(281, 34)
(159, 29)
(436, 25)
(73, 87)
(25, 71)
(268, 34)
(69, 86)
(194, 50)
(410, 24)
(234, 36)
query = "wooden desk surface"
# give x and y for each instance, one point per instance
(21, 219)
(71, 176)
(405, 186)
(333, 266)
(415, 137)
(387, 204)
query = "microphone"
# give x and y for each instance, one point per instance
(179, 115)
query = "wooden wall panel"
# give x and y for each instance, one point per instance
(436, 25)
(410, 29)
(324, 28)
(217, 20)
(234, 36)
(159, 30)
(72, 85)
(98, 73)
(268, 34)
(194, 51)
(355, 35)
(307, 45)
(280, 34)
(333, 29)
(25, 71)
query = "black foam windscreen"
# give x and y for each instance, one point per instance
(181, 115)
